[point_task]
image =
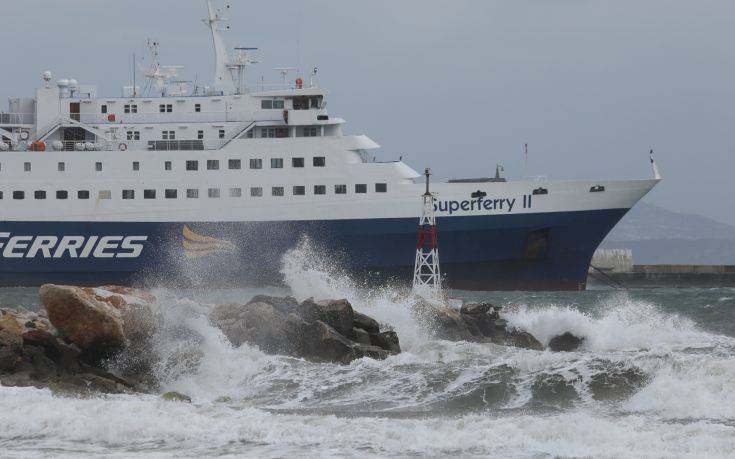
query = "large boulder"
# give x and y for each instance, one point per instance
(565, 342)
(259, 324)
(474, 322)
(320, 331)
(98, 321)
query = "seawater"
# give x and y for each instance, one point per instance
(437, 398)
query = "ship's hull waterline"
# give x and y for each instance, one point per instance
(549, 251)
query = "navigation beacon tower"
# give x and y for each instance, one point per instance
(426, 274)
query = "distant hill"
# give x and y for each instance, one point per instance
(660, 236)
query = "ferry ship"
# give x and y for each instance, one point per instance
(212, 185)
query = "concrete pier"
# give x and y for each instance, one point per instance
(676, 276)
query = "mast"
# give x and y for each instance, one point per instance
(222, 76)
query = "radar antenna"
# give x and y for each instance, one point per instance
(159, 75)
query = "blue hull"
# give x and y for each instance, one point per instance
(547, 251)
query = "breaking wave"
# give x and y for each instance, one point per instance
(648, 381)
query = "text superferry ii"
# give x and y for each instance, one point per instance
(215, 184)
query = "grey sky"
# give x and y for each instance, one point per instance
(456, 85)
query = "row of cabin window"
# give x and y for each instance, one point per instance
(162, 108)
(212, 164)
(171, 135)
(193, 193)
(265, 133)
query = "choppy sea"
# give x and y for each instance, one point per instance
(436, 399)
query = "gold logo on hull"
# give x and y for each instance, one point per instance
(198, 246)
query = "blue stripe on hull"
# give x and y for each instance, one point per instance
(509, 252)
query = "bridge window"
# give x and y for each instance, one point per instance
(171, 194)
(62, 194)
(39, 194)
(277, 191)
(320, 189)
(381, 187)
(235, 192)
(213, 193)
(19, 195)
(256, 192)
(256, 163)
(297, 162)
(266, 104)
(149, 194)
(128, 194)
(27, 167)
(361, 188)
(340, 189)
(192, 193)
(136, 165)
(320, 161)
(278, 104)
(61, 167)
(234, 164)
(105, 194)
(192, 165)
(98, 166)
(276, 163)
(83, 194)
(212, 165)
(299, 190)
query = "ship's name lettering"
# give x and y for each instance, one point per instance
(480, 204)
(71, 246)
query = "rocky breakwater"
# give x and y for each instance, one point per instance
(65, 347)
(320, 331)
(474, 322)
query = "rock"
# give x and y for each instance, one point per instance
(99, 322)
(374, 352)
(616, 382)
(477, 308)
(8, 359)
(338, 314)
(447, 323)
(176, 397)
(10, 339)
(365, 322)
(323, 343)
(284, 305)
(387, 340)
(360, 336)
(324, 331)
(259, 324)
(565, 343)
(523, 339)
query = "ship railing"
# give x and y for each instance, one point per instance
(132, 145)
(7, 119)
(158, 118)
